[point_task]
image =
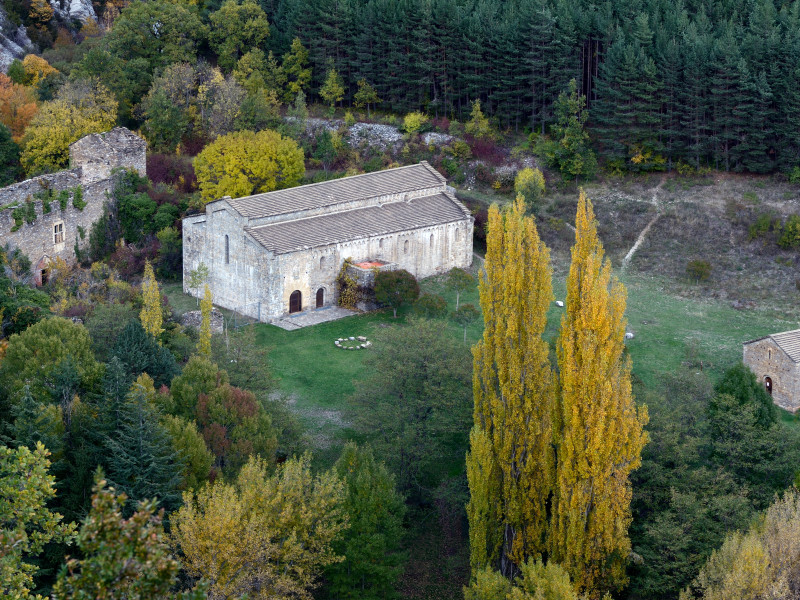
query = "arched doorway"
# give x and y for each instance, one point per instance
(295, 302)
(768, 385)
(320, 297)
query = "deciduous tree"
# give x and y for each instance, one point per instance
(332, 91)
(459, 281)
(244, 163)
(26, 523)
(600, 439)
(121, 557)
(511, 469)
(79, 109)
(151, 317)
(236, 28)
(396, 288)
(366, 96)
(264, 535)
(204, 341)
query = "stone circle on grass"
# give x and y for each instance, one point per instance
(353, 343)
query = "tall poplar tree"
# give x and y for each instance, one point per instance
(511, 463)
(601, 435)
(151, 316)
(204, 341)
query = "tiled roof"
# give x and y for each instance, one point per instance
(360, 223)
(337, 191)
(788, 341)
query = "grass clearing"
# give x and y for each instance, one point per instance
(670, 332)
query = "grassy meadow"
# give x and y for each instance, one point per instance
(670, 332)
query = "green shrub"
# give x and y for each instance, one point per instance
(763, 224)
(794, 175)
(77, 198)
(63, 199)
(430, 306)
(698, 270)
(414, 122)
(790, 238)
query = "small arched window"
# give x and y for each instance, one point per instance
(405, 247)
(321, 262)
(380, 243)
(458, 234)
(227, 250)
(431, 240)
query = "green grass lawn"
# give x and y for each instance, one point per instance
(670, 331)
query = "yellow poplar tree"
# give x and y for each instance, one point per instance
(511, 463)
(151, 316)
(601, 435)
(204, 342)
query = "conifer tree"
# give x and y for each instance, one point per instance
(204, 341)
(151, 303)
(142, 461)
(601, 435)
(511, 463)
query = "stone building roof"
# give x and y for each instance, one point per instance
(289, 236)
(347, 189)
(788, 341)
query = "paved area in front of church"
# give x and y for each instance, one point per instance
(312, 317)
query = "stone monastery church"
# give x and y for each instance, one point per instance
(280, 252)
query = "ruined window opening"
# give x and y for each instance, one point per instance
(45, 276)
(295, 302)
(768, 385)
(405, 247)
(58, 233)
(320, 297)
(227, 250)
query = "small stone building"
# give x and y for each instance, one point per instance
(775, 359)
(280, 252)
(50, 215)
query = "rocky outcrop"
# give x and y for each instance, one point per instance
(74, 10)
(14, 41)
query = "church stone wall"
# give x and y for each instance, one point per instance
(257, 283)
(766, 359)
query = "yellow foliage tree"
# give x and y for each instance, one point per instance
(40, 13)
(478, 124)
(264, 536)
(760, 563)
(81, 108)
(511, 463)
(531, 184)
(601, 434)
(204, 341)
(17, 106)
(151, 316)
(37, 68)
(244, 163)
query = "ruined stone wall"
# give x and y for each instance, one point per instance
(93, 158)
(766, 359)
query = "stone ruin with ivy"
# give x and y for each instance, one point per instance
(50, 215)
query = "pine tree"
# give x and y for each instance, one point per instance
(601, 435)
(511, 463)
(204, 341)
(140, 353)
(151, 316)
(142, 461)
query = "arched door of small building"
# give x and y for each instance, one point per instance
(768, 385)
(295, 302)
(320, 297)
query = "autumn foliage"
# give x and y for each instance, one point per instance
(17, 106)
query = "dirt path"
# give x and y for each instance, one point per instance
(646, 230)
